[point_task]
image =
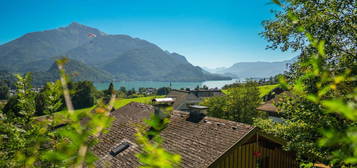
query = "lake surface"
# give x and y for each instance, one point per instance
(154, 84)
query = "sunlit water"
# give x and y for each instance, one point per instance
(154, 84)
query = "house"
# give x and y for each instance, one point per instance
(270, 108)
(206, 142)
(184, 100)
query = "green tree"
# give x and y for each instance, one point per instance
(163, 91)
(239, 104)
(333, 21)
(108, 93)
(304, 121)
(21, 135)
(83, 94)
(49, 100)
(321, 116)
(122, 89)
(216, 106)
(4, 91)
(23, 104)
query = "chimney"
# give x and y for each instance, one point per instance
(197, 113)
(162, 105)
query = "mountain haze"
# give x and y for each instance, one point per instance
(97, 56)
(254, 69)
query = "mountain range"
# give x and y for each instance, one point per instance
(97, 56)
(253, 69)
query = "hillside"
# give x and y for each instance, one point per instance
(32, 48)
(99, 56)
(254, 69)
(76, 70)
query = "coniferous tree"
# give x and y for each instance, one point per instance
(108, 93)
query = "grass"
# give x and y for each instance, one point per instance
(120, 102)
(264, 90)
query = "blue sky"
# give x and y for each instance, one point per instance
(211, 33)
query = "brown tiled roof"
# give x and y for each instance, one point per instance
(199, 144)
(184, 98)
(269, 105)
(180, 98)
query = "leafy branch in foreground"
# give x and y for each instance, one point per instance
(23, 139)
(321, 115)
(327, 83)
(81, 131)
(153, 154)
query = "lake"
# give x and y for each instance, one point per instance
(155, 84)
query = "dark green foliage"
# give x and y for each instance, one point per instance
(8, 79)
(83, 94)
(110, 90)
(10, 108)
(122, 92)
(122, 89)
(239, 104)
(163, 91)
(108, 93)
(4, 92)
(131, 92)
(197, 87)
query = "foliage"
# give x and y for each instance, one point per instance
(332, 20)
(321, 117)
(239, 104)
(131, 92)
(163, 91)
(21, 138)
(84, 94)
(108, 93)
(49, 100)
(32, 142)
(4, 92)
(81, 132)
(27, 141)
(154, 155)
(77, 70)
(301, 129)
(23, 104)
(265, 89)
(8, 79)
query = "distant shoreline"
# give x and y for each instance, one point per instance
(157, 84)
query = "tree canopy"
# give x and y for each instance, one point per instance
(320, 113)
(239, 103)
